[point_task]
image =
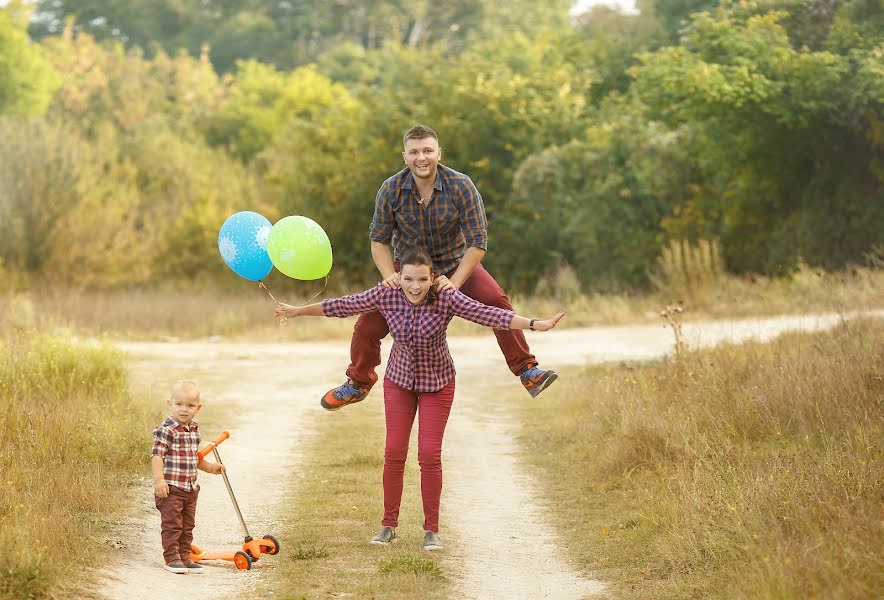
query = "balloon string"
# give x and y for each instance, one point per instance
(282, 318)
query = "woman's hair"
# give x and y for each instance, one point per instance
(418, 257)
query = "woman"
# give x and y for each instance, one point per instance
(420, 374)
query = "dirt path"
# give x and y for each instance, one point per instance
(499, 536)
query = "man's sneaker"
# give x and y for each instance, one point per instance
(341, 396)
(536, 379)
(386, 535)
(432, 541)
(176, 566)
(193, 567)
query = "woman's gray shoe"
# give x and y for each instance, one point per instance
(386, 535)
(432, 541)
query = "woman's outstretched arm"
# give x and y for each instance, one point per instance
(497, 318)
(520, 322)
(345, 306)
(308, 310)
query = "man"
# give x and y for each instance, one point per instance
(430, 205)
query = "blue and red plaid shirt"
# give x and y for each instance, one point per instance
(419, 360)
(178, 447)
(452, 221)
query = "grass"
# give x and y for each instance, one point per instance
(247, 312)
(744, 471)
(70, 440)
(334, 508)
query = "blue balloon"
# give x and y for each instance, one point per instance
(242, 242)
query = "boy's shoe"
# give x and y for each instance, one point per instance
(536, 379)
(387, 535)
(432, 541)
(193, 567)
(176, 566)
(341, 396)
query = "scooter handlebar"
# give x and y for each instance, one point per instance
(224, 435)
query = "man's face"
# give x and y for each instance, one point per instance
(422, 156)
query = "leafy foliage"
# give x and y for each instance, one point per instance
(133, 130)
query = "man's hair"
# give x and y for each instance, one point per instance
(419, 132)
(419, 257)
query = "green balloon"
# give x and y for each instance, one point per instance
(300, 248)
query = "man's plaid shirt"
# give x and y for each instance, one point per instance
(419, 360)
(453, 220)
(178, 447)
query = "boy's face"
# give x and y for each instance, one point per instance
(184, 407)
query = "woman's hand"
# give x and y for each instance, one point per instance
(547, 324)
(286, 310)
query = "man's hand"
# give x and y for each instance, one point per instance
(161, 488)
(443, 283)
(392, 281)
(214, 468)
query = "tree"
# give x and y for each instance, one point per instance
(791, 130)
(27, 79)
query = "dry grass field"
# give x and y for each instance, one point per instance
(742, 471)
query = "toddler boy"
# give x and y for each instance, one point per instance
(174, 463)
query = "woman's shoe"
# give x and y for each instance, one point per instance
(386, 535)
(432, 541)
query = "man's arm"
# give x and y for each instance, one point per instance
(471, 259)
(383, 259)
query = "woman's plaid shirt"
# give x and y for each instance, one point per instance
(178, 448)
(419, 360)
(453, 221)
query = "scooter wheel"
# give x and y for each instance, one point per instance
(274, 549)
(242, 560)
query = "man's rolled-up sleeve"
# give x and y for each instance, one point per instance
(472, 217)
(383, 222)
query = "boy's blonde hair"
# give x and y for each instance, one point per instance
(187, 388)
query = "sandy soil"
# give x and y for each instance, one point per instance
(500, 536)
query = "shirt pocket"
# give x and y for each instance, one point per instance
(399, 322)
(409, 225)
(430, 326)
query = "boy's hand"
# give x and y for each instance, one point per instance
(160, 489)
(215, 468)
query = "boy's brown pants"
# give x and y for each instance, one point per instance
(178, 515)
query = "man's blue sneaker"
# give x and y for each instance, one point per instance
(341, 396)
(536, 379)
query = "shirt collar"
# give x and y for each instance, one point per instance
(174, 424)
(410, 179)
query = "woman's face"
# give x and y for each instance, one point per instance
(416, 281)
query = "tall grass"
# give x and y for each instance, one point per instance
(745, 471)
(247, 311)
(70, 439)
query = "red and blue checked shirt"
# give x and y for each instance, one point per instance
(419, 360)
(178, 447)
(453, 221)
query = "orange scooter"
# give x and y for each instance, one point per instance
(251, 548)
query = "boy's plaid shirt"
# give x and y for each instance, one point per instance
(178, 448)
(453, 221)
(419, 360)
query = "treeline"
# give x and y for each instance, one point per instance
(130, 135)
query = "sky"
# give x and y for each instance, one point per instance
(626, 6)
